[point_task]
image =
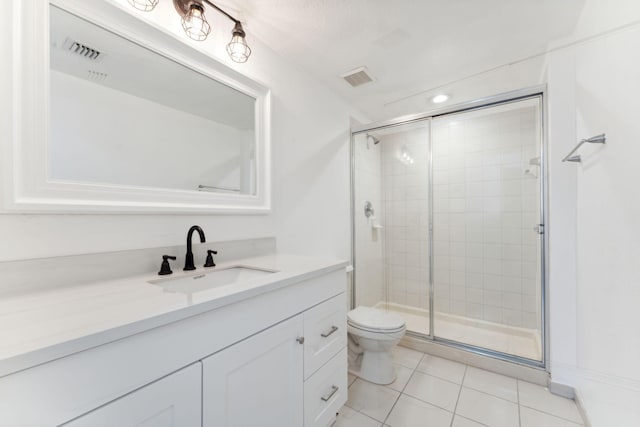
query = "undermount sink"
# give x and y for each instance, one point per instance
(209, 280)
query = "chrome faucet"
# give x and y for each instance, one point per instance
(188, 261)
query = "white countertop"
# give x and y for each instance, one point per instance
(42, 326)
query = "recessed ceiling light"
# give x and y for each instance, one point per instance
(439, 98)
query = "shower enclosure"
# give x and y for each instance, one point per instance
(448, 225)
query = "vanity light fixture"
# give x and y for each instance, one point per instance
(194, 23)
(237, 48)
(144, 5)
(197, 27)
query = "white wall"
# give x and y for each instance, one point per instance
(607, 97)
(594, 226)
(310, 155)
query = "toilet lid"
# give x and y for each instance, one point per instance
(376, 319)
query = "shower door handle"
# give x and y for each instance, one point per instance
(539, 228)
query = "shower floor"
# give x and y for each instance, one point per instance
(521, 342)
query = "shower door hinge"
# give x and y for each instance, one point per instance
(539, 228)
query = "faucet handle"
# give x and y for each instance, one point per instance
(165, 268)
(209, 262)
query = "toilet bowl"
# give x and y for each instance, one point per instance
(372, 335)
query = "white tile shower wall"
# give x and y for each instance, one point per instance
(369, 246)
(485, 206)
(406, 215)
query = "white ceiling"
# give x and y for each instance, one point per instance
(409, 46)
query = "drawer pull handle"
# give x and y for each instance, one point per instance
(333, 329)
(333, 391)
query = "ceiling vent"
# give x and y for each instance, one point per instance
(82, 49)
(358, 77)
(96, 76)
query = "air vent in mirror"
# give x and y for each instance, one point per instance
(82, 49)
(96, 76)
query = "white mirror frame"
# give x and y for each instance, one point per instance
(24, 101)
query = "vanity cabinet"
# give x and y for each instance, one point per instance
(277, 358)
(290, 375)
(173, 401)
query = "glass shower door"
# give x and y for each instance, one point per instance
(391, 221)
(487, 272)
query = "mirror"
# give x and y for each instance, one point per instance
(124, 115)
(112, 112)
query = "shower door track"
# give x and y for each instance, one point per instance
(482, 103)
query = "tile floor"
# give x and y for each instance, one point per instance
(435, 392)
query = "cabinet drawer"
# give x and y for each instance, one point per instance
(325, 332)
(325, 392)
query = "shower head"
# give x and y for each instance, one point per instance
(372, 139)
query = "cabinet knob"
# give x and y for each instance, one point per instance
(300, 340)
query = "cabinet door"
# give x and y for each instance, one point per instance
(173, 401)
(257, 382)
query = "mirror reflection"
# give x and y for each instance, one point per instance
(124, 115)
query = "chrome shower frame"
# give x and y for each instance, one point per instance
(513, 96)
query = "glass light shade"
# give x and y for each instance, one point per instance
(237, 48)
(144, 5)
(195, 24)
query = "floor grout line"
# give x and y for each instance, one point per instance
(391, 410)
(518, 397)
(492, 395)
(402, 392)
(475, 421)
(442, 379)
(455, 408)
(553, 415)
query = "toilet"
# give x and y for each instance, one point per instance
(372, 335)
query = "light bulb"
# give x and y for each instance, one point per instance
(237, 48)
(195, 24)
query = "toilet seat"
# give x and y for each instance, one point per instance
(376, 335)
(374, 320)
